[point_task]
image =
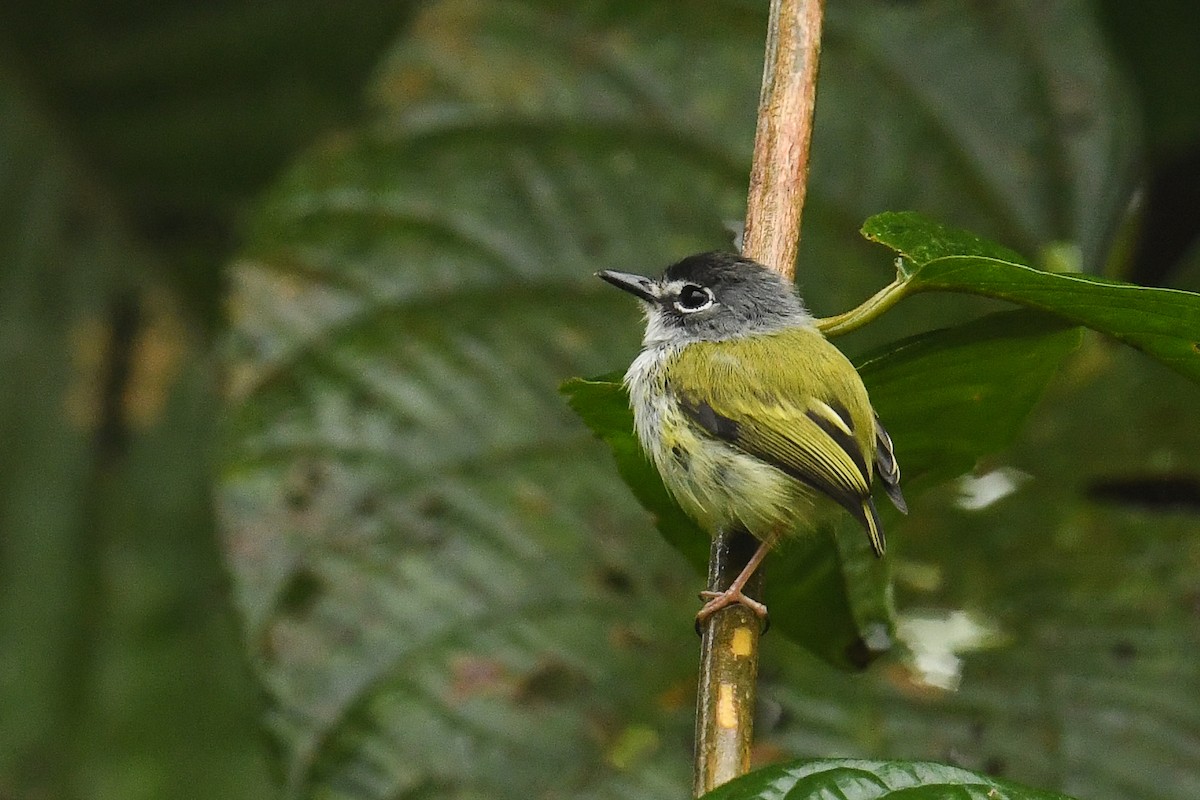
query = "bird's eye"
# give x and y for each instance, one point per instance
(693, 298)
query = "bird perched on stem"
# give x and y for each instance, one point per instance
(747, 411)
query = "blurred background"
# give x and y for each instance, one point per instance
(289, 505)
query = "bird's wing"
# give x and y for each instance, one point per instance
(887, 467)
(812, 442)
(784, 399)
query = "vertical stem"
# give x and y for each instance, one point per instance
(785, 110)
(728, 670)
(729, 647)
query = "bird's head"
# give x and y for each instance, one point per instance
(710, 297)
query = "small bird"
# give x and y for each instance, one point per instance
(747, 411)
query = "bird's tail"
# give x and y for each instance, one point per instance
(874, 529)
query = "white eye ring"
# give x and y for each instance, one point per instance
(693, 298)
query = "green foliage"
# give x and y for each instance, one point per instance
(948, 398)
(121, 675)
(872, 780)
(1163, 323)
(132, 134)
(962, 393)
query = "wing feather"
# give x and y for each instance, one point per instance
(887, 467)
(797, 406)
(791, 441)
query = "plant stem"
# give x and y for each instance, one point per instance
(779, 173)
(728, 670)
(871, 308)
(729, 647)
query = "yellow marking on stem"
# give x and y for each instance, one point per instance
(727, 715)
(741, 645)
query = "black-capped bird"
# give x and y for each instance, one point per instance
(747, 411)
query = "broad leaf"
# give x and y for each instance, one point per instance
(1085, 685)
(1162, 323)
(950, 397)
(849, 779)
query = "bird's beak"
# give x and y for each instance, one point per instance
(636, 285)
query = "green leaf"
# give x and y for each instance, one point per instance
(1091, 601)
(853, 779)
(921, 240)
(1162, 323)
(951, 396)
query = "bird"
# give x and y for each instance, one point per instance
(750, 415)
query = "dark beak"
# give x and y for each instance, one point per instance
(636, 285)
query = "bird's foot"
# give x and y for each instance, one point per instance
(731, 596)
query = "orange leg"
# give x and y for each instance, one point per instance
(719, 600)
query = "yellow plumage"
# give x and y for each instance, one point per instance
(748, 431)
(748, 413)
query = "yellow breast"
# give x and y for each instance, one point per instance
(714, 482)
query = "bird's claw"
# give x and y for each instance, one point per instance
(720, 600)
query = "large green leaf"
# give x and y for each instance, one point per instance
(1085, 684)
(849, 779)
(950, 397)
(1163, 323)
